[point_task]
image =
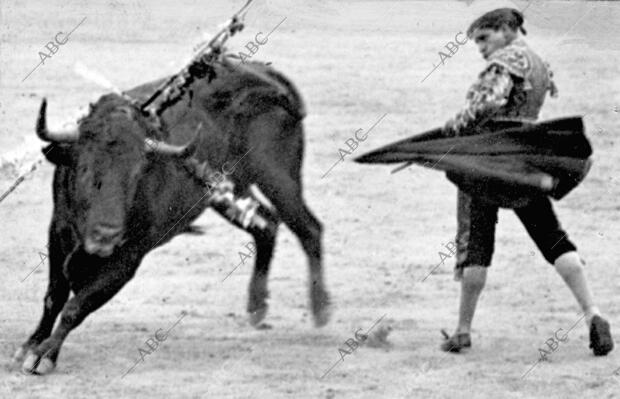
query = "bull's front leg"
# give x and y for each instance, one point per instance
(258, 218)
(90, 295)
(265, 240)
(59, 247)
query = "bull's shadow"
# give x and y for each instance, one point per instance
(121, 189)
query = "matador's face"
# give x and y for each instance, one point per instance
(489, 40)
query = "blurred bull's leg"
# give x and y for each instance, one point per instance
(265, 240)
(285, 194)
(264, 227)
(90, 296)
(57, 290)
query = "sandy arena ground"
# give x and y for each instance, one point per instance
(353, 62)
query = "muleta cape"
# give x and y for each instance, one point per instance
(508, 167)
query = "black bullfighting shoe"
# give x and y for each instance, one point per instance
(600, 336)
(456, 342)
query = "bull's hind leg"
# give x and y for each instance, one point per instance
(55, 297)
(285, 194)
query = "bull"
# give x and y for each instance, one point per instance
(121, 188)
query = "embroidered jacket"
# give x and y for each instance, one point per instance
(512, 87)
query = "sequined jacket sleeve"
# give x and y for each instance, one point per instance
(484, 97)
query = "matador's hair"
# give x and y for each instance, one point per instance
(496, 18)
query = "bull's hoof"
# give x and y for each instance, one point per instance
(19, 355)
(321, 317)
(257, 304)
(258, 315)
(46, 366)
(35, 364)
(30, 363)
(321, 306)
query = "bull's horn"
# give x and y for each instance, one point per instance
(177, 151)
(54, 137)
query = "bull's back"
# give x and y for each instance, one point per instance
(237, 79)
(247, 89)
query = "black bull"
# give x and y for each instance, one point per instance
(113, 202)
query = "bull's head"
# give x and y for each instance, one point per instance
(107, 156)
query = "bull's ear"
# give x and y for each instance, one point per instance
(59, 154)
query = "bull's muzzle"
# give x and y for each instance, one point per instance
(102, 240)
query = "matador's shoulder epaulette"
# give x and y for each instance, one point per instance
(512, 57)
